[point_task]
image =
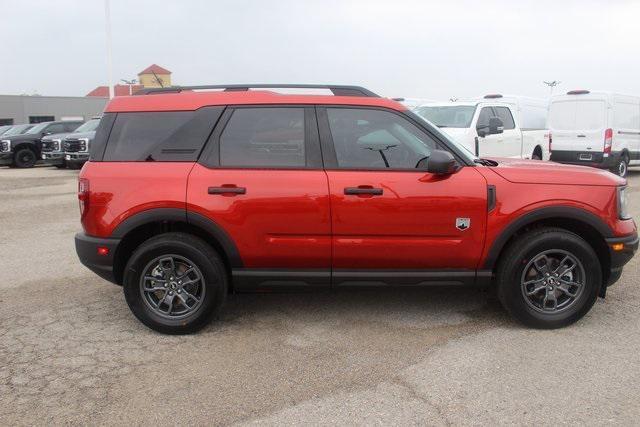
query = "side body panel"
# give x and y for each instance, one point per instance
(119, 190)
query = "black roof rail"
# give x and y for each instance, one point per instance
(337, 90)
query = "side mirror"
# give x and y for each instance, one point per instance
(495, 125)
(440, 163)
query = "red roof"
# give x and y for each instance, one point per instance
(154, 68)
(118, 90)
(190, 100)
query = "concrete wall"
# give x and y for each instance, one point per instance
(19, 107)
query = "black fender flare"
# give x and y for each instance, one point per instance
(181, 215)
(553, 212)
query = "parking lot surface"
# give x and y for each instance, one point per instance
(72, 353)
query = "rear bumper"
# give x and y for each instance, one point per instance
(620, 257)
(6, 158)
(87, 250)
(585, 158)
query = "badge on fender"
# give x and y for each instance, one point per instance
(463, 224)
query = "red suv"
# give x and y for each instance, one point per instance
(191, 193)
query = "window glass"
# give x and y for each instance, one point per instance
(505, 115)
(627, 116)
(483, 119)
(374, 139)
(56, 128)
(89, 126)
(264, 137)
(160, 136)
(71, 126)
(459, 116)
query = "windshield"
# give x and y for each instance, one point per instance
(90, 126)
(455, 116)
(17, 130)
(37, 128)
(463, 151)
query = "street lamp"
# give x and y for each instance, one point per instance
(551, 85)
(130, 83)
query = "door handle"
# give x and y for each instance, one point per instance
(363, 190)
(227, 189)
(582, 136)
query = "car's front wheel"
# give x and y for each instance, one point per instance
(549, 278)
(25, 158)
(175, 283)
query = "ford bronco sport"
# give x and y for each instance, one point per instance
(194, 192)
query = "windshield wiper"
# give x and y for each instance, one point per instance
(485, 162)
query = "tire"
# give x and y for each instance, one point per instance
(517, 273)
(186, 251)
(25, 158)
(622, 166)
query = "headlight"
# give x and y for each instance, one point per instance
(5, 145)
(84, 144)
(56, 144)
(623, 203)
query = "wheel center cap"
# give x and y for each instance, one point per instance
(173, 285)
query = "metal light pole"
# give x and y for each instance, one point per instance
(107, 20)
(130, 83)
(552, 85)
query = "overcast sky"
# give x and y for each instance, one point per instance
(426, 49)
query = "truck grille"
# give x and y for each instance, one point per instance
(74, 145)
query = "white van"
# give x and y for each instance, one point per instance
(600, 129)
(491, 127)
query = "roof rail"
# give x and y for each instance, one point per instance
(337, 90)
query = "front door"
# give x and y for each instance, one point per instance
(505, 144)
(393, 223)
(261, 181)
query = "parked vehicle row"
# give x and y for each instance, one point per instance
(189, 195)
(57, 143)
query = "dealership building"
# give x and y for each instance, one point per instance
(17, 109)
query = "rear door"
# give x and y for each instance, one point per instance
(578, 125)
(393, 223)
(260, 179)
(511, 136)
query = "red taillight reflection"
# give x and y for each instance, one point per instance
(608, 139)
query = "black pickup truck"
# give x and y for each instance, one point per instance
(24, 150)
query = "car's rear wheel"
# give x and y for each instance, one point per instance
(549, 278)
(25, 158)
(622, 166)
(175, 283)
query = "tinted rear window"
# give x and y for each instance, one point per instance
(171, 136)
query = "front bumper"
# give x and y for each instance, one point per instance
(621, 250)
(76, 158)
(6, 158)
(585, 158)
(101, 264)
(53, 158)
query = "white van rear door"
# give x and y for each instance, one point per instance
(626, 131)
(578, 125)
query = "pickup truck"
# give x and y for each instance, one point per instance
(487, 129)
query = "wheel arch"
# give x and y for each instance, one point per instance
(585, 224)
(139, 227)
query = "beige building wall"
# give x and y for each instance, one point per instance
(149, 80)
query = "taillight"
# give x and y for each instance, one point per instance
(83, 195)
(608, 137)
(550, 141)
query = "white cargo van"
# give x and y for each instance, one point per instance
(600, 129)
(492, 128)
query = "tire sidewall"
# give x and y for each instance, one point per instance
(510, 287)
(622, 162)
(18, 161)
(208, 263)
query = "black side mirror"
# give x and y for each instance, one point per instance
(440, 163)
(495, 125)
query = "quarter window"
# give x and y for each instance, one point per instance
(374, 139)
(264, 137)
